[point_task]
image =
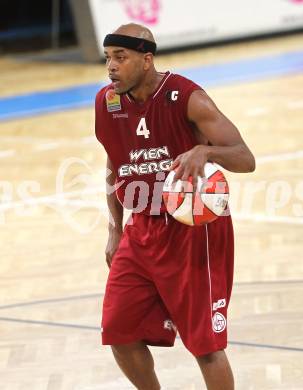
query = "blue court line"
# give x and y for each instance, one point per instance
(247, 70)
(46, 102)
(38, 103)
(96, 328)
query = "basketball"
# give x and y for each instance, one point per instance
(202, 205)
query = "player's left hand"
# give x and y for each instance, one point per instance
(191, 163)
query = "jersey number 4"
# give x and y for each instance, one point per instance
(142, 128)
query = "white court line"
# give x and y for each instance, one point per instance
(47, 146)
(97, 204)
(274, 373)
(59, 198)
(101, 205)
(21, 139)
(279, 157)
(268, 218)
(88, 140)
(7, 153)
(62, 141)
(259, 111)
(295, 104)
(260, 160)
(69, 143)
(256, 111)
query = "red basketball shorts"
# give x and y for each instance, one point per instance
(167, 277)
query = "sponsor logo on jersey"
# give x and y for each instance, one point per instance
(155, 160)
(113, 101)
(122, 115)
(219, 304)
(169, 325)
(219, 322)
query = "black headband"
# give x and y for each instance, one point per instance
(137, 44)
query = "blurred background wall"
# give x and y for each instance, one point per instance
(34, 24)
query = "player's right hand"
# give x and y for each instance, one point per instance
(113, 241)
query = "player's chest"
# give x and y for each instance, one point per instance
(143, 125)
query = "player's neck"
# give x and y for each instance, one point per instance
(148, 86)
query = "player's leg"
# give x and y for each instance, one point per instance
(216, 371)
(131, 315)
(197, 292)
(215, 366)
(134, 311)
(136, 362)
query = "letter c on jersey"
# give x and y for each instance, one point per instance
(174, 95)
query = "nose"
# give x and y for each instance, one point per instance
(111, 65)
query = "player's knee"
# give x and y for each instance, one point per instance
(117, 349)
(126, 349)
(210, 358)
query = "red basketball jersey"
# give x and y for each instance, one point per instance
(142, 139)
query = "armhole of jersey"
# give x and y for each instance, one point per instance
(186, 96)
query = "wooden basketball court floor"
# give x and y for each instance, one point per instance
(53, 230)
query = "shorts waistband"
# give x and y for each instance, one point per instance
(165, 215)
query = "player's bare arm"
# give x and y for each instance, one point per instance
(227, 146)
(116, 215)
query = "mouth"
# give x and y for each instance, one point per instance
(115, 80)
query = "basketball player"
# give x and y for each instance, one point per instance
(164, 276)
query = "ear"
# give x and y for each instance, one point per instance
(148, 61)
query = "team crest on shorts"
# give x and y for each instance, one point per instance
(219, 322)
(113, 102)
